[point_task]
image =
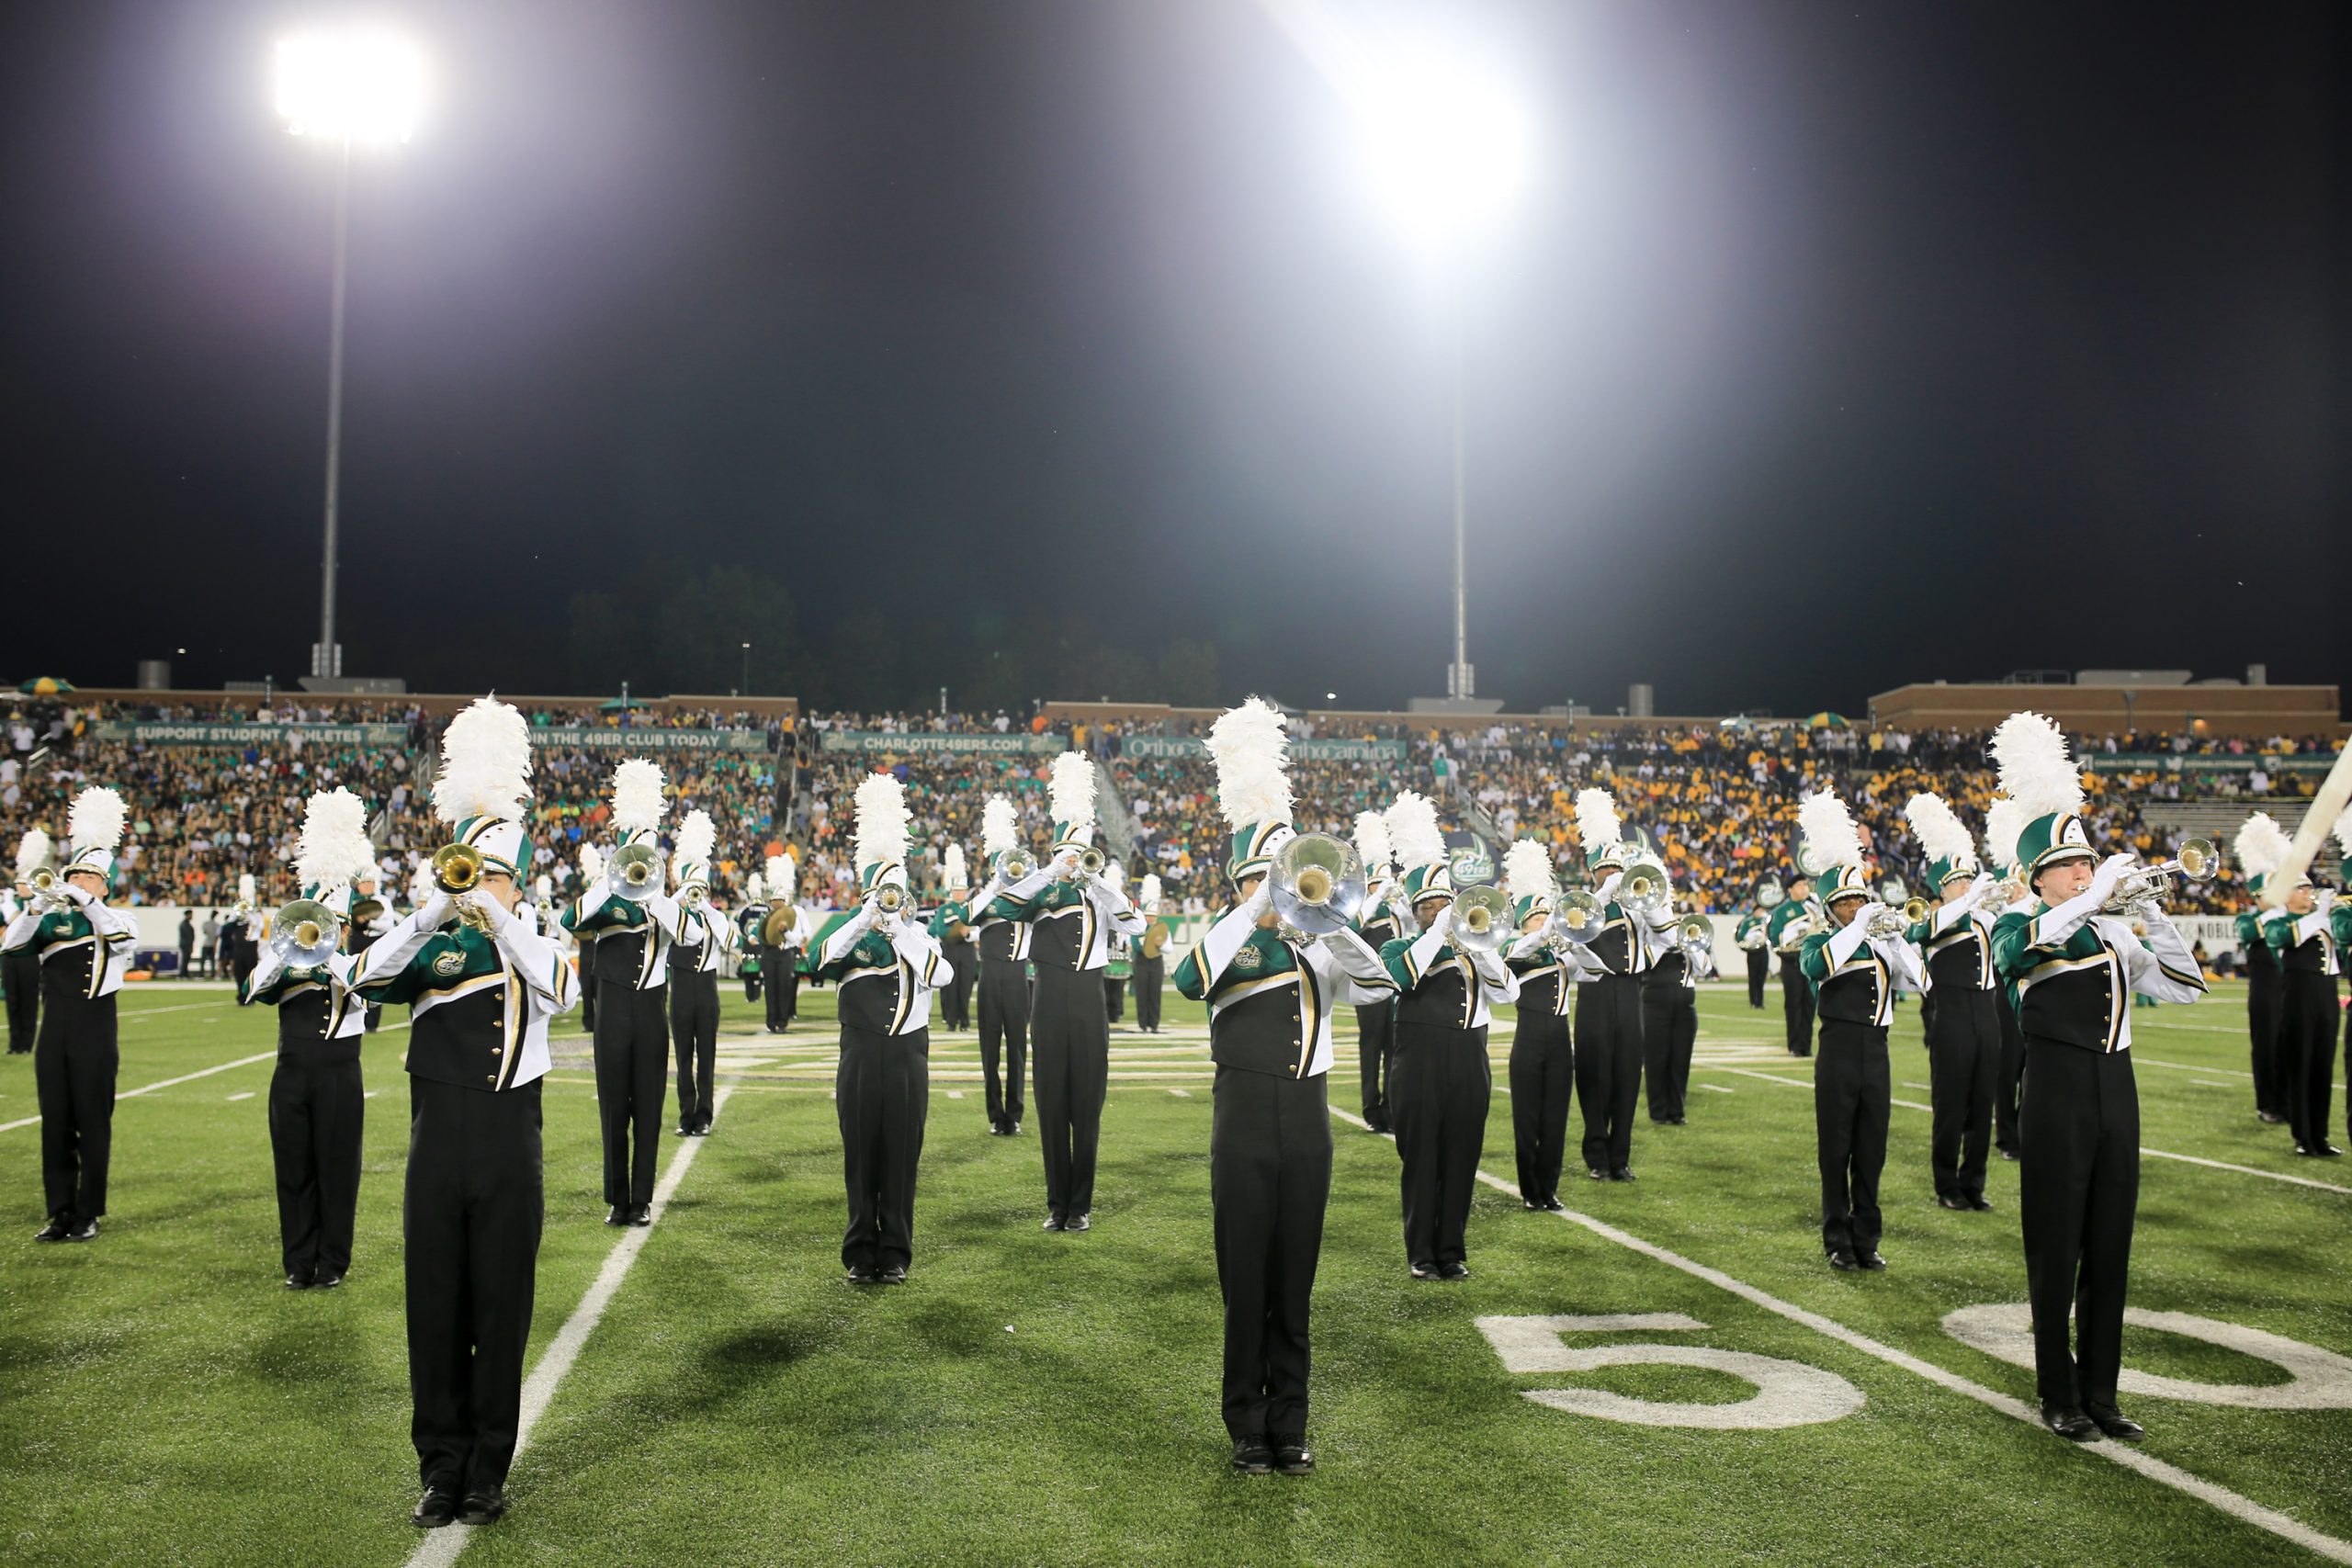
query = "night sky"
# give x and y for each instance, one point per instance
(1829, 346)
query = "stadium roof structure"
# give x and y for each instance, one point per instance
(2202, 707)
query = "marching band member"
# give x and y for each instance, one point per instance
(1855, 968)
(82, 947)
(1151, 961)
(1122, 961)
(705, 935)
(20, 967)
(781, 964)
(1378, 925)
(591, 871)
(2302, 934)
(1271, 994)
(480, 986)
(2073, 968)
(318, 1105)
(1749, 935)
(1792, 921)
(241, 933)
(2003, 824)
(1670, 1021)
(748, 922)
(1609, 999)
(632, 1049)
(1963, 1027)
(1543, 1061)
(1003, 939)
(885, 967)
(1440, 1085)
(1072, 913)
(2261, 844)
(370, 917)
(951, 927)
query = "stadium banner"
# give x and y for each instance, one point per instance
(877, 743)
(2214, 763)
(1145, 748)
(648, 737)
(148, 732)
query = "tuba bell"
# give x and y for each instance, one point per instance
(304, 933)
(1482, 921)
(635, 871)
(1316, 884)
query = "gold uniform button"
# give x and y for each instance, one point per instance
(490, 1078)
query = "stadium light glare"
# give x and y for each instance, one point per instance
(1448, 142)
(364, 87)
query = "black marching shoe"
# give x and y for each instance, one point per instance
(894, 1275)
(297, 1282)
(2269, 1118)
(2114, 1423)
(1013, 1131)
(1054, 1223)
(1595, 1172)
(686, 1130)
(2009, 1154)
(1290, 1454)
(1979, 1203)
(996, 1129)
(641, 1215)
(618, 1214)
(1454, 1271)
(1554, 1203)
(1842, 1261)
(2068, 1421)
(327, 1279)
(87, 1231)
(1079, 1223)
(1534, 1203)
(1952, 1200)
(438, 1507)
(1869, 1258)
(859, 1274)
(1251, 1456)
(1622, 1173)
(1425, 1271)
(53, 1231)
(482, 1506)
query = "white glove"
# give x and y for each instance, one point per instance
(1979, 890)
(1258, 903)
(1443, 924)
(2112, 871)
(79, 896)
(433, 911)
(2323, 900)
(1862, 916)
(1065, 864)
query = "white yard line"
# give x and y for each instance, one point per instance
(131, 1015)
(2239, 1507)
(441, 1547)
(234, 1098)
(1718, 1088)
(2185, 1067)
(166, 1083)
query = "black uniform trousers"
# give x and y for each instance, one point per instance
(2078, 1191)
(1542, 1072)
(1070, 1043)
(21, 973)
(1115, 998)
(882, 1095)
(1669, 1035)
(2308, 1014)
(1151, 977)
(956, 996)
(693, 1024)
(2010, 1074)
(1796, 1005)
(1438, 1094)
(780, 981)
(1759, 964)
(1270, 1178)
(2262, 1006)
(1963, 1065)
(1375, 1057)
(1851, 1090)
(469, 1227)
(1609, 1067)
(588, 983)
(317, 1113)
(74, 1071)
(632, 1049)
(1004, 1024)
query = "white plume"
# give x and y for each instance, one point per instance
(592, 862)
(1115, 873)
(32, 852)
(881, 820)
(334, 851)
(1071, 789)
(2004, 822)
(1412, 831)
(1247, 744)
(2036, 770)
(779, 880)
(1371, 842)
(95, 820)
(1938, 828)
(2344, 831)
(1597, 824)
(755, 888)
(2262, 844)
(1149, 893)
(791, 875)
(952, 865)
(485, 764)
(1829, 833)
(1000, 828)
(636, 795)
(697, 835)
(244, 888)
(1527, 870)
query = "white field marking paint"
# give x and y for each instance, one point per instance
(2210, 1083)
(133, 1015)
(1787, 1393)
(234, 1098)
(1928, 1086)
(441, 1547)
(2317, 1379)
(1182, 1093)
(2152, 1154)
(165, 1083)
(2231, 1502)
(954, 1094)
(2138, 1060)
(1718, 1088)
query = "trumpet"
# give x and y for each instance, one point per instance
(1887, 922)
(890, 899)
(303, 934)
(1916, 910)
(1481, 919)
(456, 868)
(635, 871)
(1643, 888)
(46, 884)
(692, 895)
(2199, 860)
(1316, 884)
(1012, 865)
(1089, 863)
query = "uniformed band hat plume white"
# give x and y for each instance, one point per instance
(1600, 830)
(333, 851)
(637, 805)
(1248, 744)
(1070, 794)
(484, 783)
(1952, 854)
(1420, 848)
(2039, 774)
(1832, 842)
(93, 829)
(881, 835)
(1527, 876)
(954, 875)
(690, 857)
(2261, 845)
(1371, 844)
(32, 852)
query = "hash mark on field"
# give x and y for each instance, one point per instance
(1930, 1087)
(234, 1098)
(164, 1083)
(1182, 1093)
(954, 1094)
(2243, 1508)
(2211, 1083)
(1718, 1088)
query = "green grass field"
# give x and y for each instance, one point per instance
(1031, 1398)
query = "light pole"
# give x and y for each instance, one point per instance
(339, 90)
(747, 670)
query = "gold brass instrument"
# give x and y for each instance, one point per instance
(1916, 910)
(1481, 920)
(304, 933)
(635, 871)
(2199, 860)
(46, 884)
(777, 928)
(1154, 936)
(1644, 889)
(1012, 865)
(1316, 884)
(456, 868)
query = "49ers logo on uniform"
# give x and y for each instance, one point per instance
(448, 964)
(1249, 958)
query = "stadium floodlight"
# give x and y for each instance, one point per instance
(1448, 144)
(362, 87)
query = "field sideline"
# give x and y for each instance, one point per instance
(1030, 1398)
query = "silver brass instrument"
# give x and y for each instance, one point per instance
(1091, 863)
(2199, 860)
(635, 871)
(1695, 935)
(303, 934)
(1012, 865)
(692, 895)
(1576, 915)
(1794, 935)
(1316, 884)
(1481, 919)
(1643, 888)
(1755, 937)
(1886, 922)
(890, 899)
